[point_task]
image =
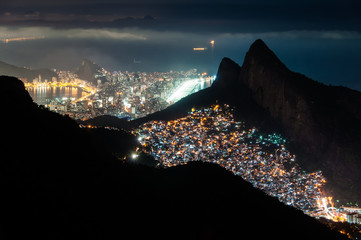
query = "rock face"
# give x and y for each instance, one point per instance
(227, 76)
(282, 93)
(90, 71)
(322, 122)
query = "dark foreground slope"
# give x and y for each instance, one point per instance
(56, 183)
(323, 123)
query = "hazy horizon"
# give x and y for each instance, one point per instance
(332, 62)
(319, 40)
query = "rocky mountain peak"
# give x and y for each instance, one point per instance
(89, 71)
(260, 55)
(227, 74)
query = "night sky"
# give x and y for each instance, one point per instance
(321, 39)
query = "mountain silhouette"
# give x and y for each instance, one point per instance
(90, 72)
(59, 181)
(26, 73)
(322, 123)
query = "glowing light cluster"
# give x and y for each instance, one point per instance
(327, 210)
(212, 135)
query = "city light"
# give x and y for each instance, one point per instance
(212, 135)
(327, 210)
(149, 92)
(184, 90)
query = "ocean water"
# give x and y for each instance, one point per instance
(333, 61)
(43, 95)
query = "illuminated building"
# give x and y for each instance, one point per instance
(354, 218)
(352, 209)
(148, 93)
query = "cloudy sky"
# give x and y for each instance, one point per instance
(321, 39)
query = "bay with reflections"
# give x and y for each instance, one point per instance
(42, 95)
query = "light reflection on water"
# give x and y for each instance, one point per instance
(42, 95)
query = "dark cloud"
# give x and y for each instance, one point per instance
(189, 16)
(318, 38)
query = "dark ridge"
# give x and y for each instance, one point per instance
(180, 109)
(25, 73)
(57, 181)
(14, 91)
(108, 121)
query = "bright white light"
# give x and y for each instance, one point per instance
(126, 104)
(134, 156)
(185, 89)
